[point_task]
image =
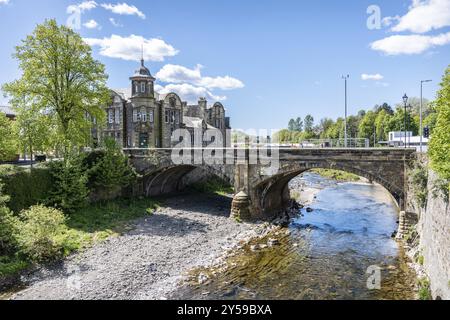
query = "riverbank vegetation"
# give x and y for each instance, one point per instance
(337, 175)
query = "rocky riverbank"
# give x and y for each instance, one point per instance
(190, 231)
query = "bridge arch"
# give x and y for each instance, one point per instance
(273, 193)
(169, 179)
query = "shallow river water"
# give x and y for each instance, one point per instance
(336, 251)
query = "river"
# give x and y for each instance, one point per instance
(333, 252)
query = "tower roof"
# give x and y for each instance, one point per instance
(142, 71)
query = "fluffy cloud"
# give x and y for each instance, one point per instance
(91, 24)
(189, 92)
(4, 1)
(123, 9)
(366, 76)
(179, 74)
(409, 44)
(82, 7)
(424, 16)
(129, 48)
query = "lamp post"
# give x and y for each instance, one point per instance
(345, 119)
(405, 101)
(421, 105)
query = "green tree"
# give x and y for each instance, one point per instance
(111, 170)
(291, 125)
(440, 140)
(382, 125)
(367, 128)
(299, 124)
(70, 191)
(8, 139)
(384, 107)
(324, 126)
(34, 131)
(60, 78)
(309, 123)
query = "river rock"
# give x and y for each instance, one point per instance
(202, 278)
(309, 209)
(273, 242)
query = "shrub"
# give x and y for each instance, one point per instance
(25, 187)
(109, 168)
(41, 236)
(424, 289)
(8, 225)
(420, 185)
(69, 191)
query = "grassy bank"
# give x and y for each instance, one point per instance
(86, 227)
(337, 175)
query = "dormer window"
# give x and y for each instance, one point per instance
(143, 87)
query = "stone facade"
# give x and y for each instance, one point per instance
(139, 117)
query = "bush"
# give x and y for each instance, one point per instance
(25, 187)
(69, 191)
(109, 168)
(420, 185)
(42, 233)
(8, 225)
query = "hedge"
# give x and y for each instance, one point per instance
(25, 187)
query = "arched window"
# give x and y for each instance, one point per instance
(143, 87)
(135, 115)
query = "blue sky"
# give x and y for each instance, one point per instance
(267, 60)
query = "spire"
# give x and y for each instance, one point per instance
(142, 55)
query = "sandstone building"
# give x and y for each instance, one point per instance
(139, 117)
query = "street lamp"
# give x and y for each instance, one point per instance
(345, 119)
(421, 104)
(405, 101)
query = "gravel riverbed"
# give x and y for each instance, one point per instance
(149, 262)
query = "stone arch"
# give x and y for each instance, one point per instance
(169, 179)
(273, 192)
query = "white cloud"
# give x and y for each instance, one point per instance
(91, 24)
(424, 16)
(189, 92)
(115, 23)
(81, 7)
(409, 44)
(179, 74)
(4, 1)
(129, 48)
(366, 76)
(123, 9)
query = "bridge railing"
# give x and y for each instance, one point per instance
(332, 143)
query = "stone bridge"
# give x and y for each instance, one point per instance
(261, 190)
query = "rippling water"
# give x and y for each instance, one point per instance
(324, 255)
